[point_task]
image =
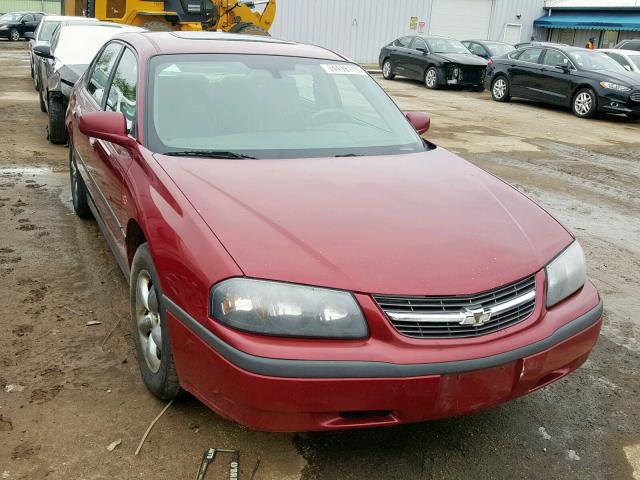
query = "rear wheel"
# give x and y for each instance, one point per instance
(431, 78)
(149, 325)
(43, 105)
(585, 103)
(387, 70)
(14, 35)
(78, 188)
(500, 89)
(246, 28)
(57, 130)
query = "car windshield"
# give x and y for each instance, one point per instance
(590, 60)
(77, 45)
(498, 49)
(11, 17)
(272, 107)
(47, 29)
(445, 45)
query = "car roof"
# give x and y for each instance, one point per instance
(62, 18)
(621, 51)
(487, 41)
(185, 42)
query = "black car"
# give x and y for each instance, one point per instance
(437, 61)
(588, 81)
(535, 43)
(14, 25)
(631, 44)
(488, 48)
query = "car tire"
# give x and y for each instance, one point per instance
(79, 194)
(36, 82)
(500, 89)
(14, 35)
(149, 325)
(585, 103)
(57, 130)
(31, 68)
(431, 78)
(43, 105)
(634, 116)
(387, 70)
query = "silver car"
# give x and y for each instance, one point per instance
(42, 36)
(64, 61)
(629, 59)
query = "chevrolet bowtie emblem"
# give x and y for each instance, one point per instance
(476, 316)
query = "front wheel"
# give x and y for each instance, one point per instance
(585, 103)
(500, 89)
(14, 35)
(387, 70)
(431, 78)
(149, 325)
(57, 130)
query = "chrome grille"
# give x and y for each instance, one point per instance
(635, 96)
(460, 316)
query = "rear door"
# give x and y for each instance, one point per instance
(555, 84)
(27, 24)
(525, 72)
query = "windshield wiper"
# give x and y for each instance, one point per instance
(210, 154)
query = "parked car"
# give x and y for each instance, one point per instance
(588, 81)
(628, 59)
(630, 44)
(535, 43)
(487, 48)
(294, 316)
(42, 36)
(437, 61)
(14, 25)
(63, 61)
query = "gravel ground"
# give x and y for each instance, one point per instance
(68, 390)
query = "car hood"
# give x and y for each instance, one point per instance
(463, 59)
(627, 78)
(427, 223)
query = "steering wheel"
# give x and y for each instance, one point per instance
(329, 115)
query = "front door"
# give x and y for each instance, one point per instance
(555, 84)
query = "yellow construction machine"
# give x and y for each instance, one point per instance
(234, 16)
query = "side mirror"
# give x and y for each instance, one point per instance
(108, 126)
(423, 50)
(419, 120)
(564, 68)
(43, 51)
(29, 35)
(628, 68)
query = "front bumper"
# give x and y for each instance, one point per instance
(302, 395)
(619, 102)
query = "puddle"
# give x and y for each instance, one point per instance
(25, 170)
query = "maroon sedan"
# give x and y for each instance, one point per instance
(299, 257)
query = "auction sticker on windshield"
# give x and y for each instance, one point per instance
(343, 69)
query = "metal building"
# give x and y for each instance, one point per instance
(46, 6)
(359, 28)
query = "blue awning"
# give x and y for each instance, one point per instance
(590, 20)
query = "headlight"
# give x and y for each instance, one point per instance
(4, 27)
(615, 86)
(566, 274)
(282, 309)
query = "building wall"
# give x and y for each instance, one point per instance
(359, 28)
(46, 6)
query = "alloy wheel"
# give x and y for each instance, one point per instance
(148, 320)
(499, 88)
(386, 69)
(15, 35)
(431, 79)
(583, 103)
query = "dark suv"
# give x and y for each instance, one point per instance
(631, 44)
(14, 25)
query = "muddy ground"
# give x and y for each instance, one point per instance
(68, 390)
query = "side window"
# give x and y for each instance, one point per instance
(27, 18)
(515, 55)
(531, 55)
(403, 42)
(477, 49)
(553, 58)
(122, 92)
(621, 60)
(101, 70)
(420, 43)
